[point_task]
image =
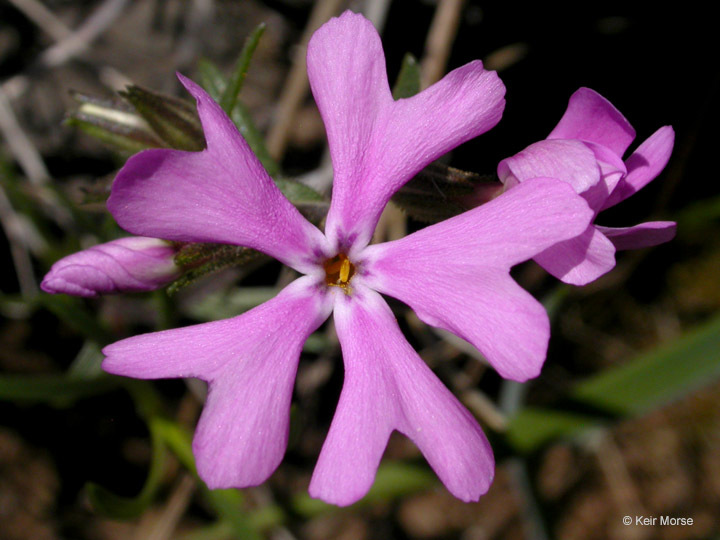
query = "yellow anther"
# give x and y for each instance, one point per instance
(344, 272)
(339, 271)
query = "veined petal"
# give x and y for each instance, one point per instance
(640, 236)
(221, 194)
(124, 265)
(644, 165)
(579, 260)
(250, 363)
(455, 274)
(571, 161)
(590, 117)
(612, 169)
(378, 144)
(388, 386)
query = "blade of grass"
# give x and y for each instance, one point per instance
(230, 95)
(658, 377)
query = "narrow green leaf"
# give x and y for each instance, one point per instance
(296, 191)
(177, 439)
(439, 192)
(694, 218)
(533, 427)
(87, 363)
(211, 78)
(652, 380)
(408, 81)
(226, 304)
(658, 377)
(230, 95)
(216, 84)
(317, 342)
(119, 507)
(229, 506)
(219, 530)
(203, 259)
(57, 390)
(114, 122)
(118, 142)
(311, 204)
(174, 120)
(244, 122)
(227, 503)
(73, 312)
(394, 480)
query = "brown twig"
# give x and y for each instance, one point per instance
(296, 85)
(439, 41)
(43, 18)
(162, 526)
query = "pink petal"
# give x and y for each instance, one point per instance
(592, 118)
(579, 260)
(571, 161)
(641, 236)
(249, 362)
(644, 164)
(378, 144)
(123, 265)
(221, 194)
(612, 170)
(455, 274)
(388, 386)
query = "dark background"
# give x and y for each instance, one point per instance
(658, 67)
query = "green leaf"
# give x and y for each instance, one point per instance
(439, 192)
(211, 78)
(119, 507)
(533, 427)
(652, 380)
(694, 219)
(394, 480)
(408, 81)
(177, 439)
(657, 377)
(113, 122)
(215, 83)
(311, 204)
(219, 530)
(297, 192)
(227, 503)
(203, 259)
(57, 390)
(230, 95)
(244, 122)
(230, 103)
(174, 120)
(87, 363)
(73, 312)
(226, 304)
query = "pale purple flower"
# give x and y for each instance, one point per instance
(124, 265)
(585, 150)
(455, 275)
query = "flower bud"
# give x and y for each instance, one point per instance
(129, 264)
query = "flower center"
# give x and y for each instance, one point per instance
(339, 271)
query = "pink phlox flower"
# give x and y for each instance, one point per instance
(130, 264)
(455, 275)
(585, 149)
